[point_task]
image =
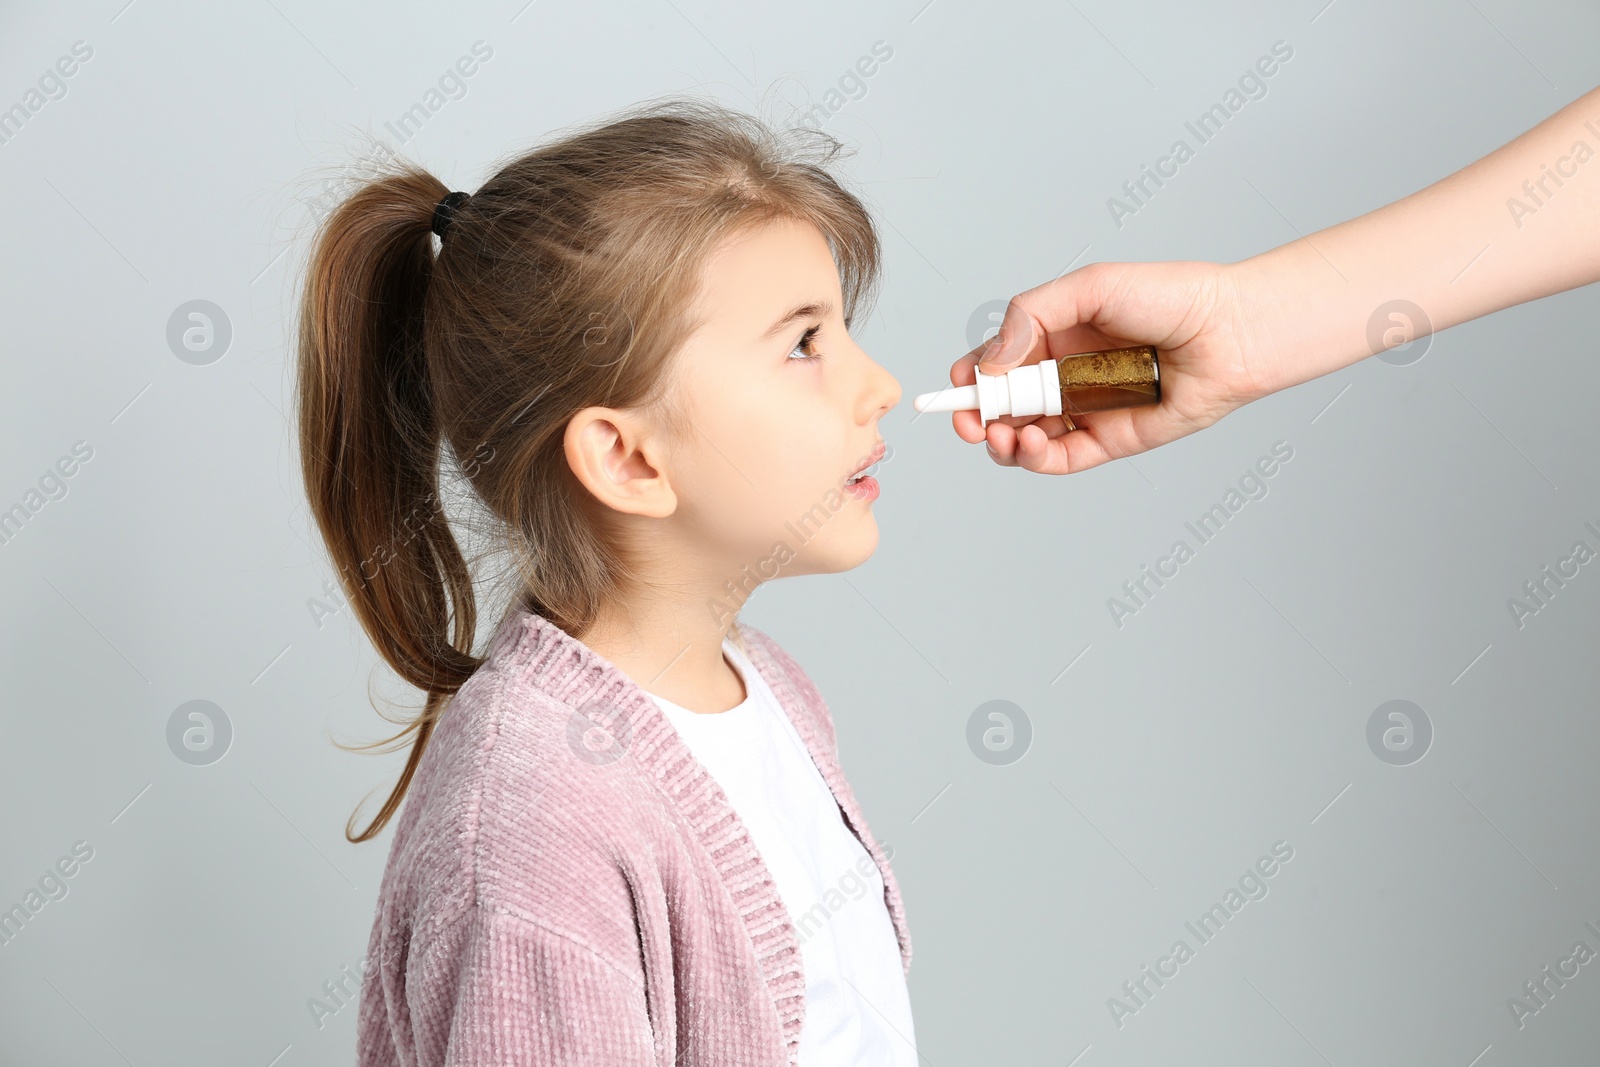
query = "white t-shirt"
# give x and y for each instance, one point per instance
(858, 1011)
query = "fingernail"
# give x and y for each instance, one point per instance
(1003, 351)
(996, 353)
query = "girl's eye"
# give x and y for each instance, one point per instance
(807, 340)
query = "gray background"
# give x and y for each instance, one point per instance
(1230, 713)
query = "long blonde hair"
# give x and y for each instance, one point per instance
(562, 283)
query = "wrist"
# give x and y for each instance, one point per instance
(1297, 318)
(1251, 305)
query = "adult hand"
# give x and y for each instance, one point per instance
(1191, 312)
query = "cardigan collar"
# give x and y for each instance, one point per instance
(628, 723)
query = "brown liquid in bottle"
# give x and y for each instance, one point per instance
(1115, 378)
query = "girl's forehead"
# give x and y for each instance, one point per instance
(768, 278)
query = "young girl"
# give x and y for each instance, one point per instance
(626, 838)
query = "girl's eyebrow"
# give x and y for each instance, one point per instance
(809, 310)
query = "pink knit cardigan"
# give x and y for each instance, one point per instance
(566, 885)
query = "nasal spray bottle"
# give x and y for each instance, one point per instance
(1071, 385)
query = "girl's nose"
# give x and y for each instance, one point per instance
(880, 392)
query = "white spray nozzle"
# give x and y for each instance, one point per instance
(960, 398)
(1023, 391)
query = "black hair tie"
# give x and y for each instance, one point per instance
(447, 211)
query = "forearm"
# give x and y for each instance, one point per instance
(1520, 223)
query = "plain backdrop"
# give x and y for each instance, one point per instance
(1162, 752)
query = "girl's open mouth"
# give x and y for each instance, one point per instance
(866, 470)
(862, 483)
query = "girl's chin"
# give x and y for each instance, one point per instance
(846, 548)
(855, 550)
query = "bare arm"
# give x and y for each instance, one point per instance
(1520, 223)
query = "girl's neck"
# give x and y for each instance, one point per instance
(672, 650)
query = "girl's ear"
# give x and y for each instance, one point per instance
(613, 453)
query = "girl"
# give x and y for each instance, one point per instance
(627, 839)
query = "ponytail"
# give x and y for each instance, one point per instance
(370, 447)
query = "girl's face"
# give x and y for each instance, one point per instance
(783, 410)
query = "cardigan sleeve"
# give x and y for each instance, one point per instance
(499, 990)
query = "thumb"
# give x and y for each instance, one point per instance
(1012, 344)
